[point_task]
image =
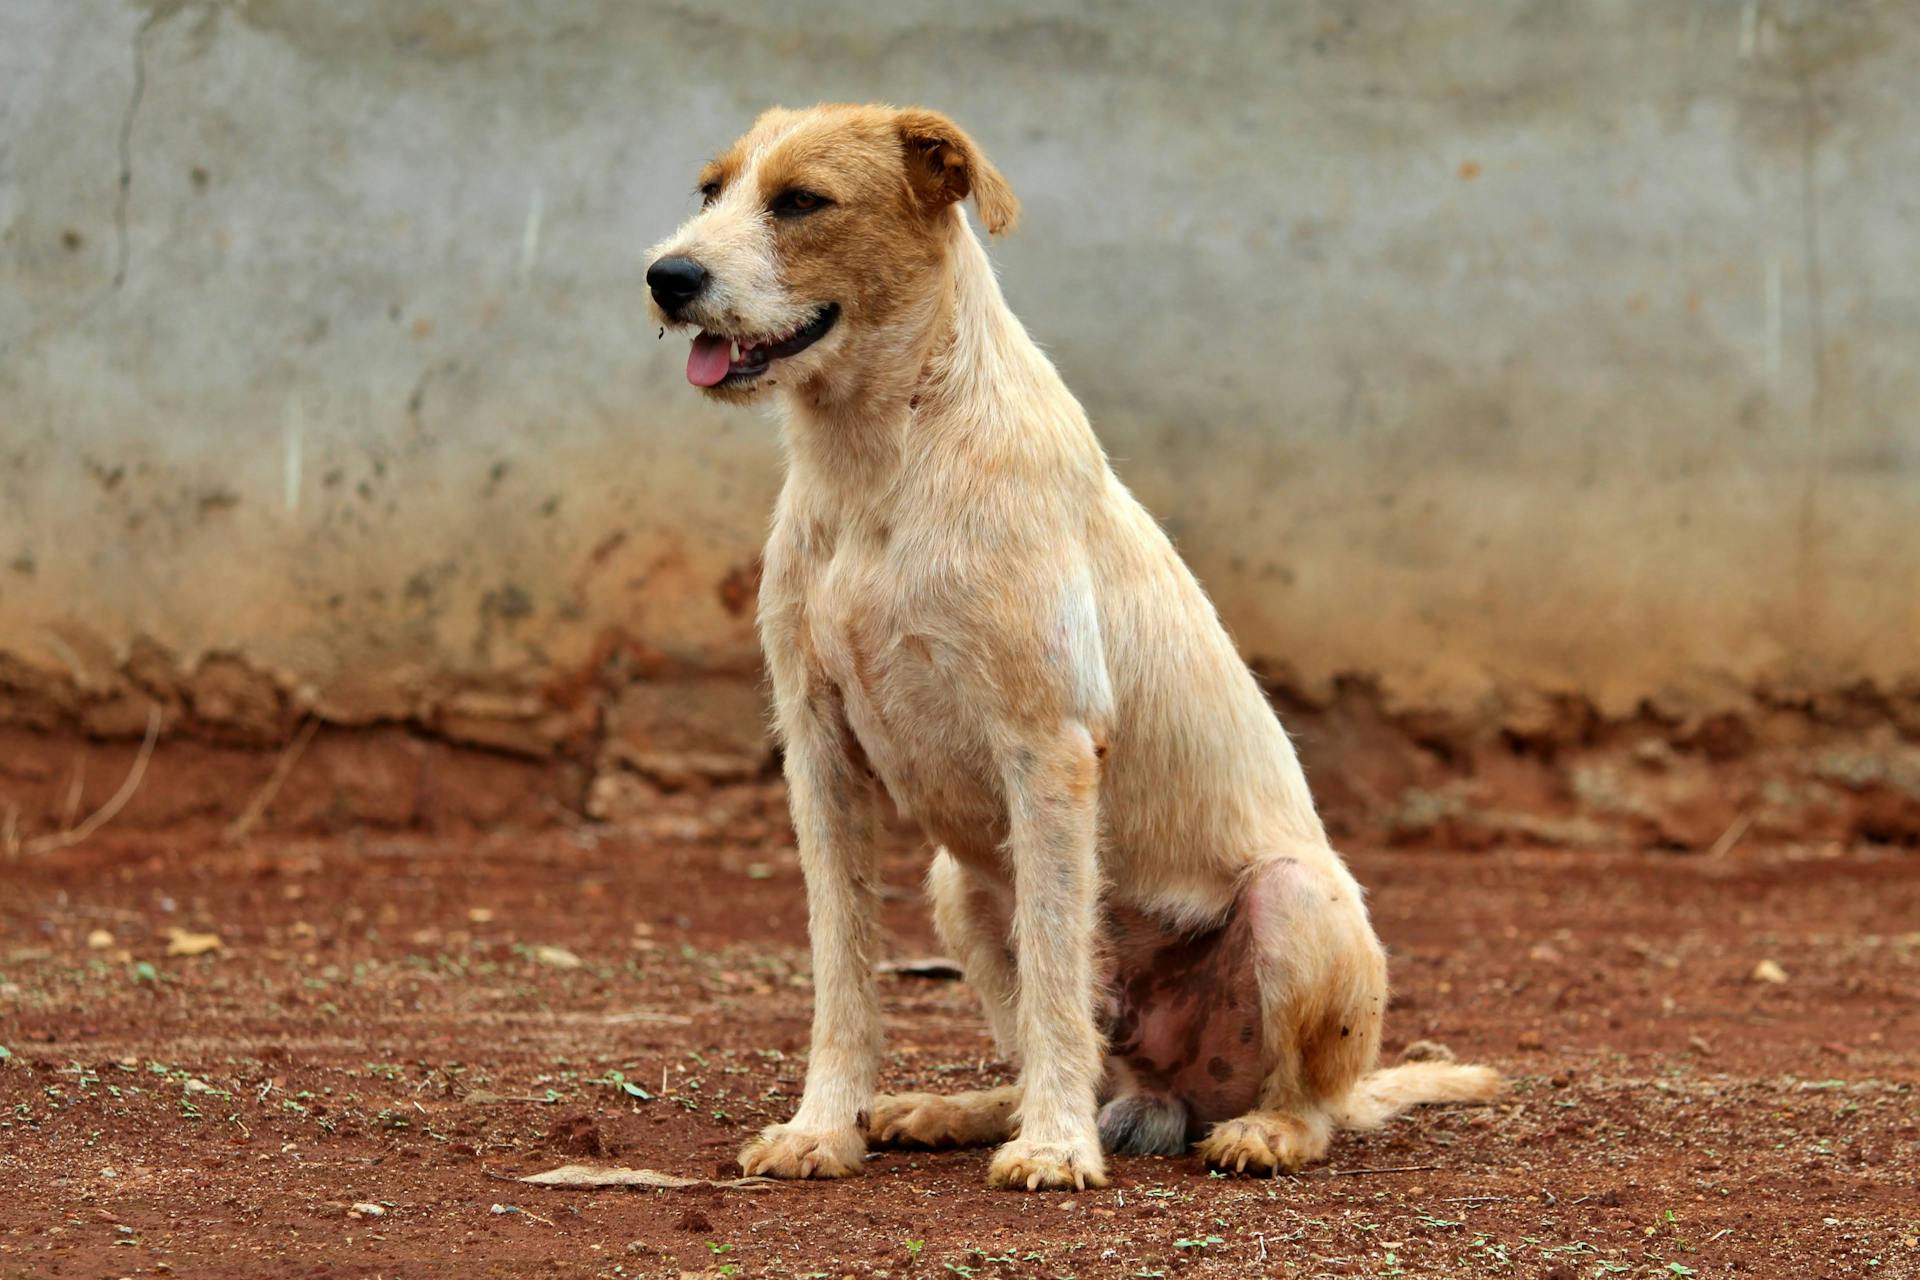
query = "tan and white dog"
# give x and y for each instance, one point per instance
(964, 606)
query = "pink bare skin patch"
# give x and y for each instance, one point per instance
(1183, 1028)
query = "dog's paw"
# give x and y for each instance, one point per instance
(1027, 1165)
(1262, 1144)
(782, 1151)
(930, 1120)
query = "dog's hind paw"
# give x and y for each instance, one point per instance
(782, 1151)
(1264, 1143)
(975, 1119)
(1022, 1165)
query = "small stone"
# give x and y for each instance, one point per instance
(479, 915)
(365, 1210)
(557, 957)
(1768, 971)
(1426, 1051)
(1531, 1039)
(182, 943)
(99, 940)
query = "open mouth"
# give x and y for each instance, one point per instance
(720, 361)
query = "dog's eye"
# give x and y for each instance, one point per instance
(709, 192)
(793, 204)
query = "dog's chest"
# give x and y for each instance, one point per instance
(888, 647)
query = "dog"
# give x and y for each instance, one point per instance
(963, 607)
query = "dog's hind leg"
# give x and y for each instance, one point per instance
(982, 1118)
(1323, 994)
(971, 918)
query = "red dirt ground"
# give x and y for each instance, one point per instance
(381, 1026)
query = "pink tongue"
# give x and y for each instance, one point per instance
(707, 362)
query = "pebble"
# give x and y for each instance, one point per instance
(182, 943)
(557, 957)
(1768, 971)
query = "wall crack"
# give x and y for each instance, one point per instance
(123, 245)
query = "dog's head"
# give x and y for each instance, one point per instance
(818, 243)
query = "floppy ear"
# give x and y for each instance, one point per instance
(944, 165)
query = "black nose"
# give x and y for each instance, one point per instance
(676, 282)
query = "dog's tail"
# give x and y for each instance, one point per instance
(1381, 1095)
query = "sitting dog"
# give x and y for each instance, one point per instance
(963, 606)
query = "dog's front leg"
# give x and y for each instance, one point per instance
(834, 810)
(1052, 788)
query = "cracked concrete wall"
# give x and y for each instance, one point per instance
(1491, 354)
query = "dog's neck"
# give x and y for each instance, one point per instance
(950, 351)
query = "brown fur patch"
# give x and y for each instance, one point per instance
(722, 169)
(945, 165)
(870, 250)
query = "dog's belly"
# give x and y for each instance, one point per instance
(1182, 1010)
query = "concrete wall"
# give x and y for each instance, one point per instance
(1481, 350)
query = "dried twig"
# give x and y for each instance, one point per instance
(514, 1210)
(1391, 1168)
(649, 1015)
(76, 791)
(595, 1176)
(241, 827)
(73, 835)
(1731, 836)
(10, 832)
